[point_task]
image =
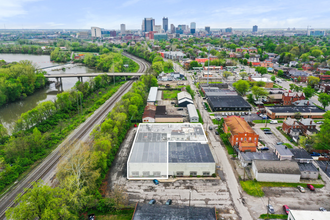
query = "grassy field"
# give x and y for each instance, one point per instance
(260, 121)
(170, 94)
(264, 128)
(120, 215)
(273, 216)
(254, 188)
(166, 70)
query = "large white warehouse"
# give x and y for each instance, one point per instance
(160, 150)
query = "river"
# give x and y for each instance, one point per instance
(11, 112)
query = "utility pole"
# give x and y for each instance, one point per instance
(268, 208)
(208, 68)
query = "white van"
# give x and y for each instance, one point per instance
(273, 122)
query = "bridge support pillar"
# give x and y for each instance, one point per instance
(82, 79)
(61, 80)
(125, 78)
(57, 79)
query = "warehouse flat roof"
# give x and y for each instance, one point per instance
(189, 152)
(280, 167)
(309, 215)
(294, 109)
(307, 167)
(283, 150)
(249, 156)
(152, 97)
(301, 154)
(150, 143)
(228, 101)
(173, 212)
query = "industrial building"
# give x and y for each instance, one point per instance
(289, 111)
(308, 215)
(152, 97)
(276, 171)
(160, 150)
(215, 91)
(228, 103)
(184, 99)
(193, 115)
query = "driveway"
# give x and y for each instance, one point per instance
(323, 165)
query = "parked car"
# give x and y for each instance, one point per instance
(169, 202)
(156, 182)
(152, 202)
(323, 209)
(264, 148)
(172, 103)
(266, 129)
(180, 109)
(270, 209)
(301, 189)
(279, 143)
(273, 122)
(268, 132)
(91, 216)
(319, 122)
(210, 127)
(311, 187)
(314, 154)
(286, 209)
(223, 114)
(216, 132)
(226, 114)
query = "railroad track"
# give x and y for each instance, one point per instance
(84, 129)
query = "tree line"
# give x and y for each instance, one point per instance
(23, 49)
(81, 171)
(19, 80)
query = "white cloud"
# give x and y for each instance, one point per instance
(12, 8)
(129, 3)
(53, 24)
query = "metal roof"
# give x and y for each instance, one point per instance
(301, 154)
(283, 150)
(152, 94)
(249, 156)
(189, 152)
(228, 102)
(192, 111)
(280, 167)
(307, 167)
(184, 94)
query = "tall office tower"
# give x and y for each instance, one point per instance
(113, 33)
(192, 27)
(207, 29)
(96, 32)
(123, 29)
(158, 28)
(165, 24)
(255, 29)
(229, 30)
(148, 24)
(172, 28)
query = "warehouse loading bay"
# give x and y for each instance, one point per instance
(186, 191)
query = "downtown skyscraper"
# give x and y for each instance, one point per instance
(165, 24)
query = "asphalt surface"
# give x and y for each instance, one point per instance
(325, 166)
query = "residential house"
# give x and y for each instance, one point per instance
(307, 126)
(269, 83)
(283, 152)
(267, 63)
(298, 76)
(322, 70)
(247, 49)
(291, 127)
(271, 56)
(325, 87)
(274, 98)
(242, 135)
(288, 98)
(323, 77)
(293, 63)
(307, 67)
(254, 60)
(276, 171)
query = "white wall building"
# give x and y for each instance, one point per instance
(276, 171)
(152, 97)
(192, 112)
(160, 150)
(123, 29)
(96, 32)
(308, 215)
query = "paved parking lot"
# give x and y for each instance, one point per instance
(291, 197)
(251, 117)
(269, 140)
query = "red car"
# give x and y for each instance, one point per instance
(311, 187)
(286, 209)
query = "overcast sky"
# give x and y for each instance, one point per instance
(82, 14)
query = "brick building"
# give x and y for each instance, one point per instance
(242, 135)
(249, 49)
(267, 63)
(289, 98)
(298, 76)
(307, 67)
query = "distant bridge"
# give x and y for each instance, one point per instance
(68, 75)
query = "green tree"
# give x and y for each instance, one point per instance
(42, 202)
(226, 74)
(157, 66)
(280, 73)
(258, 92)
(243, 75)
(313, 81)
(297, 115)
(3, 131)
(324, 99)
(250, 98)
(242, 86)
(323, 137)
(309, 92)
(273, 78)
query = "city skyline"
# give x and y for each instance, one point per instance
(39, 14)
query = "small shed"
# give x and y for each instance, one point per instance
(184, 99)
(301, 156)
(276, 171)
(193, 115)
(283, 152)
(308, 171)
(152, 97)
